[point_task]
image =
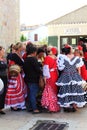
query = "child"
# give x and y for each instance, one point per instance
(15, 97)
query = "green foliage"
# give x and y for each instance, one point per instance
(23, 38)
(44, 41)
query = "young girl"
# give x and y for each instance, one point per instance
(15, 97)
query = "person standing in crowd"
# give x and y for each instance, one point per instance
(62, 53)
(16, 56)
(82, 70)
(40, 58)
(24, 56)
(44, 47)
(32, 73)
(17, 101)
(11, 50)
(3, 77)
(79, 46)
(49, 96)
(82, 45)
(71, 93)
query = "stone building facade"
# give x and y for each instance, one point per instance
(9, 22)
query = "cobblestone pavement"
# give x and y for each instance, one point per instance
(24, 120)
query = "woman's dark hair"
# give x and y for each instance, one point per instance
(30, 48)
(63, 50)
(67, 50)
(39, 50)
(11, 46)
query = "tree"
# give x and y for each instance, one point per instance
(23, 38)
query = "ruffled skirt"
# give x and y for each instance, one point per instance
(16, 93)
(71, 91)
(49, 99)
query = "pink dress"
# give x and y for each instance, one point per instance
(49, 96)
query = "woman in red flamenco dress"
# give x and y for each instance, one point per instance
(49, 96)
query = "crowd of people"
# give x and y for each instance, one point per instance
(64, 76)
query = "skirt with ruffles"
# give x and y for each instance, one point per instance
(71, 91)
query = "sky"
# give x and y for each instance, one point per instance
(33, 12)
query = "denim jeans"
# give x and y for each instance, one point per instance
(33, 90)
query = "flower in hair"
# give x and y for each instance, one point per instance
(67, 46)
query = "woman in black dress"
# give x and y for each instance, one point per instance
(18, 101)
(3, 76)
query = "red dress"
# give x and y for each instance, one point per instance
(15, 96)
(85, 55)
(84, 72)
(49, 96)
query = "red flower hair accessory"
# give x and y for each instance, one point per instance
(54, 50)
(67, 46)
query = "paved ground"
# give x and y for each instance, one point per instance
(24, 120)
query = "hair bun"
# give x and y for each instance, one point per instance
(15, 68)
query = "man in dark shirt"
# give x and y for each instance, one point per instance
(32, 73)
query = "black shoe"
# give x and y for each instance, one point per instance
(18, 109)
(30, 110)
(44, 110)
(67, 110)
(2, 112)
(73, 109)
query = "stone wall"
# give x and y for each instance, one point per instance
(9, 22)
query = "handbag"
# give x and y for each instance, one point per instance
(41, 82)
(84, 86)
